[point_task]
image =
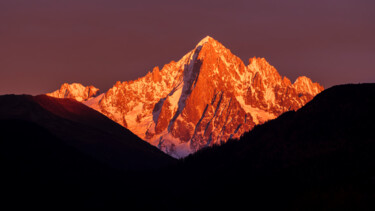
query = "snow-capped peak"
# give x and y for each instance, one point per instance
(205, 40)
(304, 84)
(75, 91)
(209, 41)
(208, 97)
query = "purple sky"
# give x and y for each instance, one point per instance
(44, 43)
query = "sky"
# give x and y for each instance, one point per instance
(44, 43)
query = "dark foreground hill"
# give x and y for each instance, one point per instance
(59, 152)
(320, 157)
(81, 128)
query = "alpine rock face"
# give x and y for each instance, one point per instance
(75, 91)
(207, 97)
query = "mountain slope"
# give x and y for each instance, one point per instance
(41, 170)
(320, 157)
(206, 98)
(85, 130)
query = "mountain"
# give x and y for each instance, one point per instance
(80, 129)
(204, 99)
(75, 91)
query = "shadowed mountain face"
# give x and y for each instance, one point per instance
(84, 130)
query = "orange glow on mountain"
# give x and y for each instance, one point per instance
(205, 98)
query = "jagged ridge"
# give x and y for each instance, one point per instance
(206, 98)
(75, 91)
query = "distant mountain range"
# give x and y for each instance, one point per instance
(206, 98)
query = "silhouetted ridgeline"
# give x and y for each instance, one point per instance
(59, 152)
(84, 129)
(319, 157)
(323, 155)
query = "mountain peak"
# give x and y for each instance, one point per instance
(304, 84)
(259, 60)
(205, 40)
(207, 97)
(75, 91)
(209, 41)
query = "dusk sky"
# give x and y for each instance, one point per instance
(44, 43)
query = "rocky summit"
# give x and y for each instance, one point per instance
(207, 97)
